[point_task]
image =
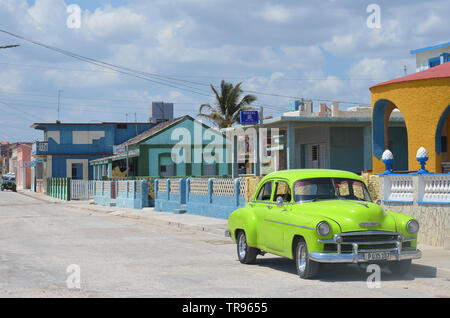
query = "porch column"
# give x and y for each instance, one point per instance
(290, 146)
(367, 146)
(110, 169)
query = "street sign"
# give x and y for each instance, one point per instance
(249, 117)
(119, 149)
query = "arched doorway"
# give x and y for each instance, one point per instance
(443, 139)
(389, 132)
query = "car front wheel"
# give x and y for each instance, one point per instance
(306, 268)
(246, 254)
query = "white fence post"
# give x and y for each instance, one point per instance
(81, 189)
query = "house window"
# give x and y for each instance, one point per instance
(315, 152)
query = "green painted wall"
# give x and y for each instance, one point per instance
(160, 146)
(347, 148)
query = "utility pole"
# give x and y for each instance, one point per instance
(259, 142)
(59, 100)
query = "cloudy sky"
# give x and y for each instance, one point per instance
(323, 50)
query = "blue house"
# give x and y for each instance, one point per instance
(431, 56)
(68, 147)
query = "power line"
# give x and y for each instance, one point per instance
(178, 76)
(115, 68)
(162, 80)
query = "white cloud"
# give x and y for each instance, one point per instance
(10, 81)
(432, 23)
(275, 13)
(113, 24)
(265, 44)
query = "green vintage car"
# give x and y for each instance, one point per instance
(319, 216)
(8, 182)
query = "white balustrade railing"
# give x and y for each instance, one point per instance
(420, 188)
(399, 188)
(434, 188)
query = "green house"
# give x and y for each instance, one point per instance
(179, 147)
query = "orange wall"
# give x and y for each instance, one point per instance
(421, 103)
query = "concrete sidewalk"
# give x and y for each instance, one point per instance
(435, 261)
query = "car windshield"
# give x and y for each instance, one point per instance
(330, 189)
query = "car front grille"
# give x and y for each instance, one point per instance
(366, 242)
(360, 238)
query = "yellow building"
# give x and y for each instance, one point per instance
(423, 98)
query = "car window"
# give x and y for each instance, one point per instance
(283, 191)
(310, 189)
(330, 188)
(351, 189)
(265, 192)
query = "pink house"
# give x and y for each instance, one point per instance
(23, 173)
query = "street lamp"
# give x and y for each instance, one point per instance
(9, 46)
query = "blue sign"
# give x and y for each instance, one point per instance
(249, 117)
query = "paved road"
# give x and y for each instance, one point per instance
(120, 257)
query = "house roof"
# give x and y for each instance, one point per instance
(154, 130)
(118, 157)
(440, 71)
(40, 125)
(430, 48)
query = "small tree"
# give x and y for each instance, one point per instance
(227, 105)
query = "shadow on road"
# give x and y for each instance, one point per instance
(347, 272)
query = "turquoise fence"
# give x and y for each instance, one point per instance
(214, 197)
(132, 194)
(59, 188)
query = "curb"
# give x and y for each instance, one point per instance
(155, 220)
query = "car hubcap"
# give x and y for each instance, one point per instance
(301, 258)
(242, 246)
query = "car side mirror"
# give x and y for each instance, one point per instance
(378, 202)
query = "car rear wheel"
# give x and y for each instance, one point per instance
(400, 267)
(246, 254)
(306, 268)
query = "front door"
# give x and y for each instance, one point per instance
(316, 156)
(260, 206)
(77, 171)
(275, 219)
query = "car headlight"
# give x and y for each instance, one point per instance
(323, 228)
(412, 226)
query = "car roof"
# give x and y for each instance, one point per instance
(297, 174)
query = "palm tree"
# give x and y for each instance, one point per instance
(227, 106)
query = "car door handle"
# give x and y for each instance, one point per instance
(269, 206)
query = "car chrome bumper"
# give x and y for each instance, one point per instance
(356, 257)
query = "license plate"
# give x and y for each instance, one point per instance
(377, 256)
